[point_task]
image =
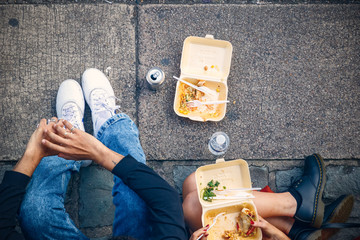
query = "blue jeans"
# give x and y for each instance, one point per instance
(42, 213)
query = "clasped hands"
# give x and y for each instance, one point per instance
(60, 137)
(71, 143)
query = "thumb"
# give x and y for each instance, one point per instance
(260, 223)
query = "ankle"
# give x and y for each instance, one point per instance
(293, 200)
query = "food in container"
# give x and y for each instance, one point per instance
(185, 93)
(204, 62)
(235, 223)
(188, 94)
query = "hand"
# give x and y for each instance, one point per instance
(198, 233)
(35, 151)
(269, 231)
(73, 144)
(34, 146)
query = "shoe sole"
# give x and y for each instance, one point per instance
(320, 206)
(340, 214)
(314, 236)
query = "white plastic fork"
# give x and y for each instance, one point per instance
(214, 221)
(197, 103)
(201, 89)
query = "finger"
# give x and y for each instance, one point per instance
(61, 131)
(55, 138)
(52, 146)
(42, 123)
(201, 231)
(69, 126)
(41, 126)
(61, 123)
(53, 121)
(260, 224)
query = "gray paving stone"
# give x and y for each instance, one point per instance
(346, 234)
(72, 198)
(259, 176)
(293, 84)
(284, 179)
(43, 45)
(180, 173)
(98, 233)
(177, 1)
(4, 168)
(96, 207)
(65, 1)
(343, 180)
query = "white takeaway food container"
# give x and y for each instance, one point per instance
(234, 175)
(205, 59)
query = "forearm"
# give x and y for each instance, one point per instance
(163, 201)
(12, 190)
(107, 158)
(28, 163)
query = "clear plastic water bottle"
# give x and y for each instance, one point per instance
(219, 143)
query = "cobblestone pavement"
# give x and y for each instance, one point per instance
(293, 87)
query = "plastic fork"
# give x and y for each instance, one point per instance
(201, 89)
(227, 191)
(197, 103)
(214, 221)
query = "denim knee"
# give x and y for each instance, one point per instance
(44, 218)
(34, 216)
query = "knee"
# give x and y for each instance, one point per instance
(192, 211)
(34, 213)
(189, 185)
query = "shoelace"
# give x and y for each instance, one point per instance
(70, 113)
(101, 103)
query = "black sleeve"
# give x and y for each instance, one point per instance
(12, 190)
(163, 201)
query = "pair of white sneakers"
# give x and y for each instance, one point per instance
(99, 95)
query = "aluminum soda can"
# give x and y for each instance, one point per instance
(219, 143)
(155, 77)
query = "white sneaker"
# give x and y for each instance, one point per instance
(100, 97)
(70, 105)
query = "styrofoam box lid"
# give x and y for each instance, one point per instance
(232, 174)
(199, 52)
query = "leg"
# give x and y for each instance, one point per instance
(191, 205)
(42, 213)
(120, 134)
(282, 223)
(274, 204)
(267, 204)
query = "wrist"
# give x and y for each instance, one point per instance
(32, 155)
(108, 158)
(28, 163)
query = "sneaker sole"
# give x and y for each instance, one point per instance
(320, 206)
(340, 214)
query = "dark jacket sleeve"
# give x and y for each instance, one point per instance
(163, 201)
(12, 190)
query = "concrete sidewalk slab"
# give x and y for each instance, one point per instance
(43, 45)
(293, 86)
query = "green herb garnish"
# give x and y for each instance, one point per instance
(208, 193)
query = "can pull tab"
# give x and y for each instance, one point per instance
(209, 36)
(155, 76)
(220, 160)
